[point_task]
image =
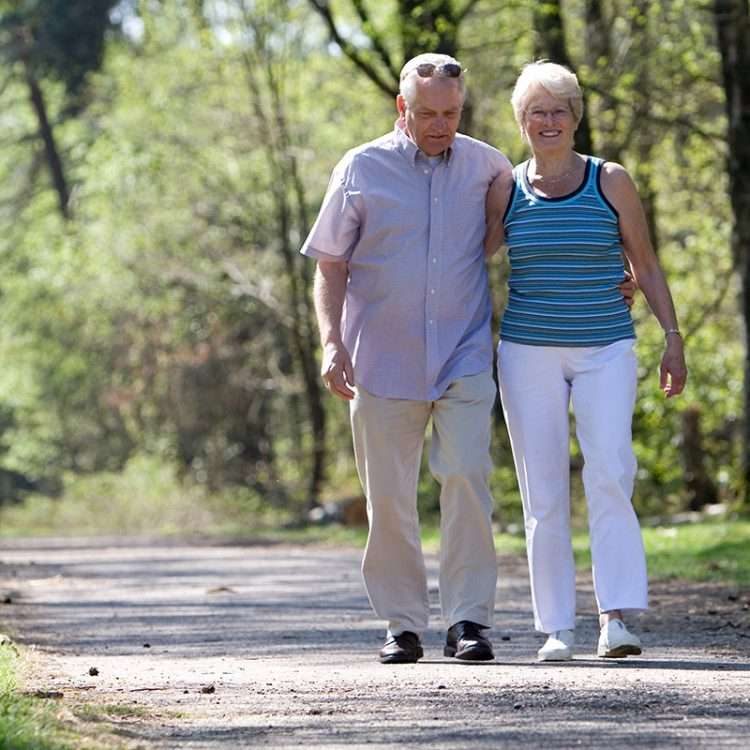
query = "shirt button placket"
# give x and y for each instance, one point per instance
(433, 276)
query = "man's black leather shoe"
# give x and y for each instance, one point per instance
(403, 648)
(465, 641)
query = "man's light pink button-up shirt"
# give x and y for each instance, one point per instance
(417, 309)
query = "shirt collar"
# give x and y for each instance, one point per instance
(409, 149)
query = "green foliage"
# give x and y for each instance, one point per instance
(61, 39)
(697, 551)
(25, 723)
(34, 723)
(146, 497)
(700, 551)
(161, 321)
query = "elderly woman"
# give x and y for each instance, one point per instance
(567, 335)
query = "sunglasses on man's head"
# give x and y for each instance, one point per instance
(446, 70)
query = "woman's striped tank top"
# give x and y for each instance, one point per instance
(566, 261)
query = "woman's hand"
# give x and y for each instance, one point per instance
(673, 370)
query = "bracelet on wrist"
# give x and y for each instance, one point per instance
(672, 330)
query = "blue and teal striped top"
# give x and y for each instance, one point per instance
(566, 261)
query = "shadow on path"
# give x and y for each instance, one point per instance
(286, 637)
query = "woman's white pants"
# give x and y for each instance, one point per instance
(537, 385)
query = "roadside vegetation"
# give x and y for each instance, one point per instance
(158, 338)
(155, 304)
(710, 550)
(35, 722)
(147, 499)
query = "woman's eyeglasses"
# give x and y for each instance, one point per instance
(541, 115)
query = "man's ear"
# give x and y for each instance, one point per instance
(401, 105)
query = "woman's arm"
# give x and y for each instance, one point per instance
(620, 191)
(496, 202)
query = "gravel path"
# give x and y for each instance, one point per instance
(206, 646)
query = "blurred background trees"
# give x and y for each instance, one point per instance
(161, 162)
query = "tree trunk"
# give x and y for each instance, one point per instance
(644, 132)
(733, 28)
(550, 43)
(599, 59)
(288, 188)
(701, 488)
(54, 162)
(303, 338)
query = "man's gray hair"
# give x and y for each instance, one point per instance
(408, 78)
(554, 79)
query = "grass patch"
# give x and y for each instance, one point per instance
(28, 723)
(700, 551)
(705, 551)
(337, 536)
(25, 723)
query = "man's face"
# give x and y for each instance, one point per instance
(432, 118)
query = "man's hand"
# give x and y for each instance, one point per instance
(628, 288)
(673, 370)
(337, 371)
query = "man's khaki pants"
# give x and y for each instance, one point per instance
(388, 440)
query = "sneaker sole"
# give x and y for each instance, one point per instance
(620, 651)
(559, 656)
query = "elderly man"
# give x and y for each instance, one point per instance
(403, 306)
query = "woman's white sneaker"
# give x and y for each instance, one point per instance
(559, 646)
(616, 641)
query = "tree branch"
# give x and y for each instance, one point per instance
(375, 37)
(683, 122)
(352, 52)
(461, 14)
(712, 307)
(260, 291)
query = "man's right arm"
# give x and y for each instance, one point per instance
(329, 291)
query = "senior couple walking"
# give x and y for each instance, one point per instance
(402, 241)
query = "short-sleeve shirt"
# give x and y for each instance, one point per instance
(417, 308)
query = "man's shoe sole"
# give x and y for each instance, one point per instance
(402, 658)
(620, 651)
(477, 654)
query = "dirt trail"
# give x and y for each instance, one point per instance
(248, 645)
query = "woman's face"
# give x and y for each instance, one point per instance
(548, 122)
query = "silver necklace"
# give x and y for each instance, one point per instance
(553, 178)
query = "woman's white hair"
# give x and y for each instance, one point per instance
(554, 79)
(409, 76)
